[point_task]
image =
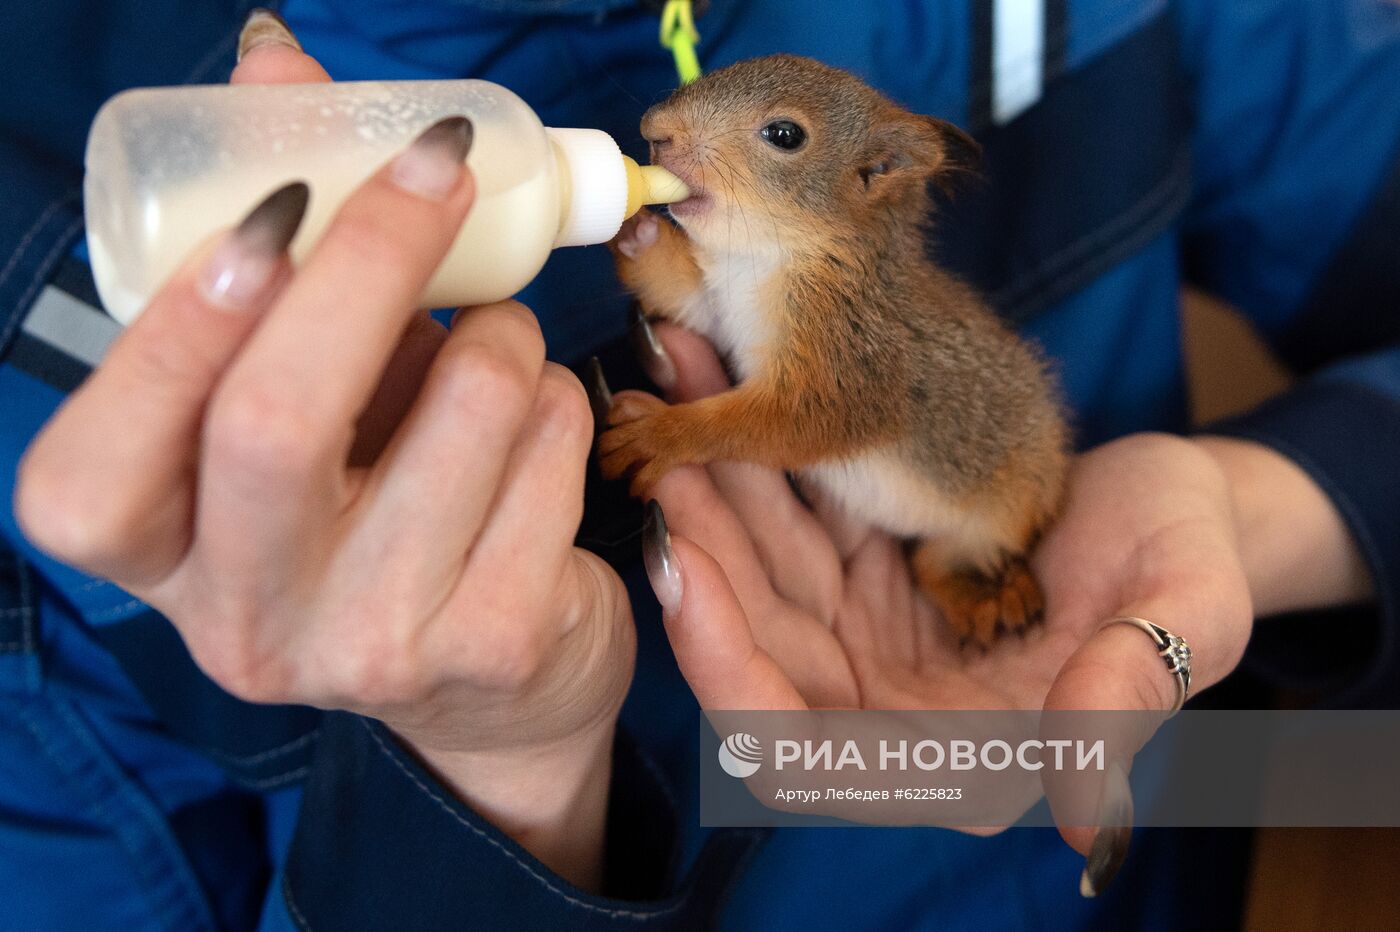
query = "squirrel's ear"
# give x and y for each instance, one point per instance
(910, 146)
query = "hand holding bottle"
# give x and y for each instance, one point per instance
(340, 503)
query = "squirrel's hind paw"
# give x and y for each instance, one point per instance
(979, 606)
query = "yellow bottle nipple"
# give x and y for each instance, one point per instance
(651, 184)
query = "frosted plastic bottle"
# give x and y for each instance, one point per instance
(167, 167)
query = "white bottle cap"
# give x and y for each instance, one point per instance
(597, 185)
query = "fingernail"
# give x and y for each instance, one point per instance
(432, 165)
(663, 569)
(654, 359)
(264, 27)
(599, 395)
(1110, 847)
(243, 264)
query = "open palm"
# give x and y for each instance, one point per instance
(786, 606)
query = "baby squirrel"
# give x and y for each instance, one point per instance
(860, 365)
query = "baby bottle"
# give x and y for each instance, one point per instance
(167, 167)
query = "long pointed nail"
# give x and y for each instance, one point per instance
(432, 165)
(1110, 847)
(663, 569)
(652, 356)
(243, 264)
(264, 27)
(599, 395)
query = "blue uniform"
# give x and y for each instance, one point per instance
(1252, 149)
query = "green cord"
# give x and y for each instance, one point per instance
(678, 34)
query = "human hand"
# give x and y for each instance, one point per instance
(770, 605)
(338, 502)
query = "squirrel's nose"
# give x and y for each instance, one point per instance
(658, 126)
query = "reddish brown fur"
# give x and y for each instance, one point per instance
(807, 269)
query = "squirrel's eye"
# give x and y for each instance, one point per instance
(784, 134)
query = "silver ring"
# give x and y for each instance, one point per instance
(1172, 649)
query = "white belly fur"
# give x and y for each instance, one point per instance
(880, 490)
(727, 311)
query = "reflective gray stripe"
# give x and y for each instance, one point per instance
(71, 326)
(1018, 56)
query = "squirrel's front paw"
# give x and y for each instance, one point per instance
(635, 443)
(638, 233)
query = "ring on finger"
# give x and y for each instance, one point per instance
(1173, 650)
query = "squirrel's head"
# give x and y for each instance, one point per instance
(783, 152)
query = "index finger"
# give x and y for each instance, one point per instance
(369, 270)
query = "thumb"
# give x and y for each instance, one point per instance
(707, 627)
(268, 53)
(1115, 687)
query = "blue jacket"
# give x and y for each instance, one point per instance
(1251, 149)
